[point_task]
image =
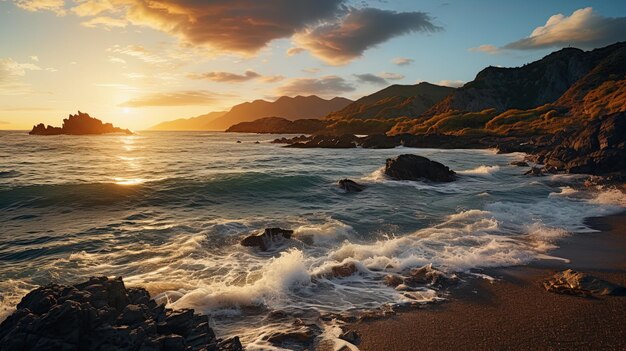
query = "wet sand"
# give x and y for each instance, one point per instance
(515, 312)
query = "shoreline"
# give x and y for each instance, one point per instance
(515, 312)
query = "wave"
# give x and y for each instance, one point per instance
(10, 174)
(482, 170)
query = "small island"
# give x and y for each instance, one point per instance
(79, 124)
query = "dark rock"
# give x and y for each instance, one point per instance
(79, 124)
(345, 141)
(101, 314)
(350, 336)
(344, 270)
(231, 344)
(535, 171)
(380, 141)
(393, 280)
(267, 239)
(350, 186)
(413, 167)
(598, 148)
(238, 141)
(580, 284)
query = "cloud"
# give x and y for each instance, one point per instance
(11, 73)
(241, 26)
(451, 83)
(328, 85)
(294, 51)
(360, 29)
(391, 76)
(379, 79)
(583, 29)
(114, 59)
(56, 6)
(105, 22)
(178, 98)
(487, 48)
(225, 76)
(311, 70)
(402, 61)
(34, 58)
(371, 78)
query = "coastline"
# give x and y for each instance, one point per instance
(515, 312)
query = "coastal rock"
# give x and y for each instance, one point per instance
(350, 186)
(345, 141)
(79, 124)
(102, 314)
(535, 171)
(267, 239)
(413, 167)
(580, 284)
(380, 141)
(597, 148)
(350, 336)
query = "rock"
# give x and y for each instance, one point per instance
(598, 148)
(380, 141)
(580, 284)
(535, 171)
(267, 239)
(350, 336)
(350, 186)
(345, 141)
(519, 163)
(344, 270)
(413, 167)
(393, 280)
(238, 141)
(101, 314)
(231, 344)
(79, 124)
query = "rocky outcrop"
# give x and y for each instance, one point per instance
(580, 284)
(79, 124)
(102, 314)
(346, 141)
(418, 277)
(597, 148)
(414, 167)
(278, 125)
(268, 239)
(351, 186)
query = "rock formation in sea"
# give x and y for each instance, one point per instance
(79, 124)
(102, 314)
(414, 167)
(266, 240)
(350, 186)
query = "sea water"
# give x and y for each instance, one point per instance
(166, 211)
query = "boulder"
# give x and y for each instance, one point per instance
(580, 284)
(101, 314)
(267, 239)
(344, 270)
(350, 186)
(380, 141)
(519, 163)
(414, 167)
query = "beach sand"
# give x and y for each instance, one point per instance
(515, 312)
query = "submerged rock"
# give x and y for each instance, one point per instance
(102, 314)
(580, 284)
(267, 239)
(414, 167)
(350, 186)
(345, 141)
(519, 163)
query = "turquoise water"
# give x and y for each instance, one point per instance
(167, 210)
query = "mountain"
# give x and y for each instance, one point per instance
(79, 124)
(394, 101)
(535, 84)
(195, 123)
(291, 108)
(279, 125)
(562, 91)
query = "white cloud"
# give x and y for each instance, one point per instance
(402, 61)
(451, 83)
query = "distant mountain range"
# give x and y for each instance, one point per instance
(289, 108)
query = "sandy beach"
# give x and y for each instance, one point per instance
(515, 312)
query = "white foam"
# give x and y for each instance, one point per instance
(482, 170)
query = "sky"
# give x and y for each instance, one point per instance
(136, 63)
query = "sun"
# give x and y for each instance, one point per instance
(126, 110)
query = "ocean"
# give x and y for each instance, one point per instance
(166, 211)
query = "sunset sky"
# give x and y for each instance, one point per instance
(136, 63)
